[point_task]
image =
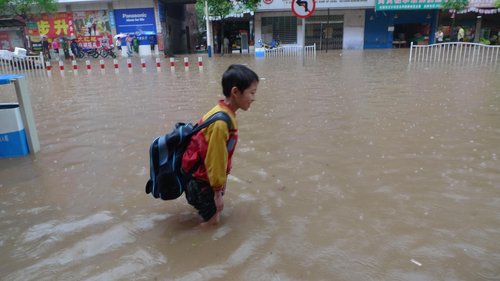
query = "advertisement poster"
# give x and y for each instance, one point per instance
(32, 29)
(56, 25)
(138, 22)
(88, 42)
(91, 27)
(36, 43)
(91, 23)
(5, 41)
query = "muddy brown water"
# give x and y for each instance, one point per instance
(353, 166)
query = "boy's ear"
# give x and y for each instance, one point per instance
(234, 91)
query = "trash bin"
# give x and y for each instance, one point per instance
(260, 52)
(13, 140)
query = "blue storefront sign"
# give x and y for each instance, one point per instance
(138, 22)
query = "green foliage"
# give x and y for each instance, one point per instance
(223, 8)
(497, 3)
(200, 14)
(457, 5)
(27, 8)
(484, 41)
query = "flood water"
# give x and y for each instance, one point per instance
(353, 166)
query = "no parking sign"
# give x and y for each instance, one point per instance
(303, 8)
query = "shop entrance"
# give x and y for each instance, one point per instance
(326, 32)
(417, 33)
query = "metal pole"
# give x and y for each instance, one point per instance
(411, 51)
(303, 41)
(209, 29)
(327, 29)
(23, 98)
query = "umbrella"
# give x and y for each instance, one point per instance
(121, 35)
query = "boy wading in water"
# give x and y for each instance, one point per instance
(213, 147)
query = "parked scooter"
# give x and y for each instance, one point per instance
(271, 45)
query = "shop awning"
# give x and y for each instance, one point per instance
(381, 5)
(244, 15)
(10, 22)
(481, 7)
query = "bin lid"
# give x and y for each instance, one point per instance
(6, 78)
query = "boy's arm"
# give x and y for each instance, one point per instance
(216, 158)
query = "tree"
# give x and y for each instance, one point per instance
(220, 9)
(497, 3)
(455, 6)
(26, 9)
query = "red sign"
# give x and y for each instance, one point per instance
(303, 8)
(58, 24)
(93, 41)
(268, 1)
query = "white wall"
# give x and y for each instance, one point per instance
(286, 5)
(354, 22)
(77, 6)
(80, 7)
(354, 25)
(131, 4)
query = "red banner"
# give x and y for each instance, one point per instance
(93, 41)
(56, 25)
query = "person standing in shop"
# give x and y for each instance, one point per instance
(460, 34)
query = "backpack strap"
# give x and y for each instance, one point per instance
(220, 115)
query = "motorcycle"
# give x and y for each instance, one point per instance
(89, 52)
(107, 51)
(271, 45)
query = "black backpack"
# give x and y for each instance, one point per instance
(167, 179)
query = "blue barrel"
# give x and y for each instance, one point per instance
(260, 52)
(13, 140)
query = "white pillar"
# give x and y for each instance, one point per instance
(209, 31)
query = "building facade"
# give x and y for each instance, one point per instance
(156, 24)
(335, 24)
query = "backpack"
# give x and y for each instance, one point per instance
(167, 178)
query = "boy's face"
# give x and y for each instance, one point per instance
(244, 99)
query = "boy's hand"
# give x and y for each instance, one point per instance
(219, 202)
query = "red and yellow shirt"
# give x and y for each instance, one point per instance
(214, 144)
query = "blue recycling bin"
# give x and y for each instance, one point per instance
(13, 140)
(18, 134)
(260, 52)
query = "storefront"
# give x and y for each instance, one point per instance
(397, 24)
(333, 25)
(236, 30)
(481, 22)
(11, 33)
(91, 23)
(139, 23)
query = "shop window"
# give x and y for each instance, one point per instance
(282, 28)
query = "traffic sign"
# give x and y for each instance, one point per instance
(303, 8)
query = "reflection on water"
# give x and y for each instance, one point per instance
(353, 166)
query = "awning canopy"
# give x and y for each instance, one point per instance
(11, 22)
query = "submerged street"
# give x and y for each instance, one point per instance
(352, 166)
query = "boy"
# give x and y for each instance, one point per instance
(212, 148)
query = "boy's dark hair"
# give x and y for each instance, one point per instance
(238, 76)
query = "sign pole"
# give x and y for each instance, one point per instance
(303, 41)
(303, 9)
(327, 30)
(209, 34)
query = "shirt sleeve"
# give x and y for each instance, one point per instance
(216, 158)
